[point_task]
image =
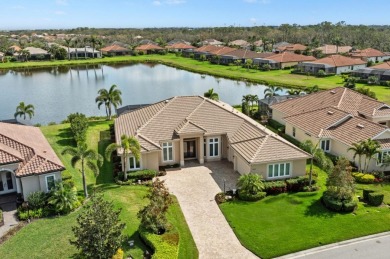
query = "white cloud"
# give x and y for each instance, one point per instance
(157, 3)
(62, 2)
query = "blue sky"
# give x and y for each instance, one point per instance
(38, 14)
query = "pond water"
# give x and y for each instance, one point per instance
(58, 91)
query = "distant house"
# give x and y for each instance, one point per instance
(205, 50)
(14, 49)
(333, 64)
(381, 71)
(86, 52)
(36, 54)
(291, 48)
(115, 50)
(243, 55)
(212, 42)
(179, 47)
(370, 54)
(266, 103)
(219, 51)
(240, 44)
(279, 45)
(333, 49)
(27, 161)
(149, 48)
(146, 41)
(283, 60)
(175, 41)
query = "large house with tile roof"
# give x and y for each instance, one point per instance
(370, 54)
(333, 64)
(335, 119)
(27, 161)
(333, 49)
(283, 60)
(381, 71)
(196, 128)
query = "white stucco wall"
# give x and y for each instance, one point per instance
(345, 69)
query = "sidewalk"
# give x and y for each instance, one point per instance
(10, 218)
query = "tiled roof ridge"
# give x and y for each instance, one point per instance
(340, 121)
(47, 160)
(10, 154)
(148, 140)
(319, 109)
(278, 138)
(266, 137)
(31, 150)
(342, 97)
(249, 139)
(196, 125)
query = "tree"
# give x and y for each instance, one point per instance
(128, 145)
(358, 150)
(109, 98)
(245, 102)
(366, 91)
(237, 62)
(67, 44)
(153, 216)
(211, 94)
(350, 82)
(338, 42)
(25, 53)
(248, 64)
(340, 182)
(94, 41)
(253, 98)
(371, 149)
(63, 198)
(22, 110)
(86, 158)
(311, 89)
(250, 183)
(79, 126)
(99, 230)
(271, 91)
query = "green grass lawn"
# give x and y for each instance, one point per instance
(276, 77)
(288, 223)
(46, 238)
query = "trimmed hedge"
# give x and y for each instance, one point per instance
(363, 178)
(365, 193)
(245, 196)
(338, 205)
(297, 184)
(275, 187)
(143, 175)
(375, 198)
(165, 246)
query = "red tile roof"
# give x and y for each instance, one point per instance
(385, 65)
(149, 46)
(114, 48)
(292, 47)
(339, 61)
(180, 45)
(332, 49)
(290, 57)
(366, 53)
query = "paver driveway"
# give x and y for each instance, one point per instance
(195, 187)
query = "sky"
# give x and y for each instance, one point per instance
(63, 14)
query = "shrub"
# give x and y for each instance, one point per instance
(163, 248)
(321, 73)
(251, 183)
(349, 206)
(142, 175)
(275, 187)
(332, 204)
(32, 214)
(363, 178)
(220, 198)
(63, 199)
(365, 193)
(375, 198)
(36, 200)
(79, 126)
(118, 255)
(246, 196)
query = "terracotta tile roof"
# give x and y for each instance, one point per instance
(15, 48)
(244, 53)
(211, 42)
(28, 144)
(180, 45)
(385, 143)
(366, 53)
(149, 46)
(207, 48)
(221, 50)
(332, 49)
(385, 65)
(292, 47)
(340, 97)
(290, 57)
(114, 48)
(241, 43)
(339, 61)
(7, 158)
(168, 119)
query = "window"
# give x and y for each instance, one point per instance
(167, 151)
(50, 181)
(293, 132)
(382, 156)
(213, 147)
(325, 145)
(279, 170)
(134, 164)
(204, 147)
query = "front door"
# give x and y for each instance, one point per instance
(189, 149)
(7, 183)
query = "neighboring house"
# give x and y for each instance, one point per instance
(370, 54)
(115, 50)
(212, 42)
(381, 71)
(243, 55)
(146, 41)
(196, 128)
(14, 49)
(333, 49)
(279, 45)
(179, 47)
(240, 44)
(149, 48)
(333, 64)
(177, 41)
(291, 48)
(36, 54)
(85, 52)
(266, 103)
(207, 51)
(219, 51)
(282, 60)
(335, 119)
(27, 162)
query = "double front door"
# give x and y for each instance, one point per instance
(189, 149)
(7, 183)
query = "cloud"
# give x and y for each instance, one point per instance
(156, 3)
(62, 2)
(59, 13)
(253, 20)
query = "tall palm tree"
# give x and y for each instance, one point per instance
(253, 98)
(271, 91)
(76, 42)
(25, 53)
(211, 94)
(68, 42)
(128, 145)
(86, 158)
(358, 150)
(23, 110)
(94, 41)
(338, 42)
(371, 149)
(109, 98)
(245, 102)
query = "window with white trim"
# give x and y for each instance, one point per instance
(134, 164)
(279, 170)
(325, 145)
(213, 147)
(167, 151)
(382, 156)
(50, 182)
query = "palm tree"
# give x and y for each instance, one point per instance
(86, 157)
(23, 110)
(358, 149)
(271, 91)
(211, 94)
(312, 89)
(76, 42)
(128, 145)
(245, 102)
(25, 53)
(371, 149)
(237, 62)
(94, 41)
(251, 183)
(338, 42)
(68, 41)
(109, 98)
(248, 64)
(253, 98)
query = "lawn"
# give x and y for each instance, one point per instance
(276, 77)
(288, 223)
(43, 238)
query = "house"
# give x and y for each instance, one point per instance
(279, 44)
(370, 54)
(333, 49)
(243, 55)
(266, 103)
(175, 41)
(14, 49)
(85, 52)
(179, 47)
(149, 48)
(216, 53)
(184, 128)
(115, 50)
(240, 44)
(333, 64)
(381, 71)
(36, 54)
(204, 50)
(283, 60)
(27, 162)
(146, 41)
(295, 48)
(335, 119)
(212, 42)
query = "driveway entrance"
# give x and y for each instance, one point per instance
(195, 188)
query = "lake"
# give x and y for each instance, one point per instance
(58, 91)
